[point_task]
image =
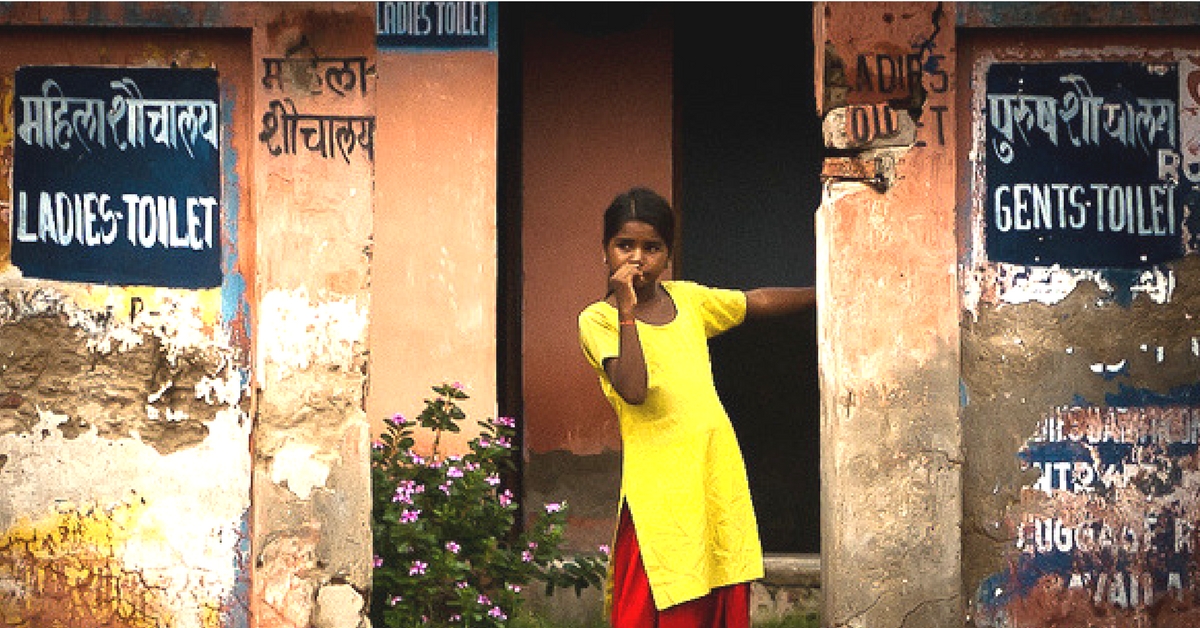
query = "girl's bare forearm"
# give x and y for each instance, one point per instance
(766, 302)
(627, 371)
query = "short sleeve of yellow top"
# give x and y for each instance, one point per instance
(682, 474)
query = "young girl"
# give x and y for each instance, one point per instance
(687, 542)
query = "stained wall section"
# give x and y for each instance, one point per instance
(891, 452)
(1009, 433)
(1080, 358)
(177, 457)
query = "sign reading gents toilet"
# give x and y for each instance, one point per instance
(116, 175)
(1074, 164)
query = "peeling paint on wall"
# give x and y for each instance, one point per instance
(174, 525)
(123, 370)
(1080, 400)
(891, 460)
(126, 409)
(297, 466)
(127, 464)
(1000, 283)
(297, 332)
(1108, 525)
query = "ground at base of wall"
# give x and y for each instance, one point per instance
(788, 596)
(528, 619)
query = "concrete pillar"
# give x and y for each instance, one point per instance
(887, 316)
(311, 497)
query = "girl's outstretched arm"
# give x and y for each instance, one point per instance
(764, 302)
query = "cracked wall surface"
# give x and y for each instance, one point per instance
(891, 451)
(174, 457)
(126, 465)
(1080, 398)
(1051, 440)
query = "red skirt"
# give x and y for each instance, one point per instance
(633, 605)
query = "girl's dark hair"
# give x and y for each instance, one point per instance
(641, 204)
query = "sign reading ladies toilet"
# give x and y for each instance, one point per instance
(1074, 164)
(435, 25)
(116, 175)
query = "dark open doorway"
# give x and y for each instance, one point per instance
(748, 160)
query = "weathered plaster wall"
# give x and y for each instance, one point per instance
(124, 430)
(891, 451)
(311, 489)
(199, 458)
(1080, 387)
(433, 279)
(124, 461)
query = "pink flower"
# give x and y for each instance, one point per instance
(376, 444)
(461, 585)
(526, 556)
(483, 601)
(406, 489)
(553, 507)
(493, 480)
(394, 600)
(445, 488)
(455, 619)
(453, 547)
(454, 472)
(398, 419)
(418, 568)
(604, 549)
(378, 561)
(497, 613)
(503, 442)
(505, 421)
(515, 588)
(409, 516)
(506, 498)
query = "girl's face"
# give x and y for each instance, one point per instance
(639, 244)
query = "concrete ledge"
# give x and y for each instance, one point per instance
(793, 569)
(791, 586)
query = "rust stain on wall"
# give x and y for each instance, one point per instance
(1071, 364)
(6, 155)
(67, 570)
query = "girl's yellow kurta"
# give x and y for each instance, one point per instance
(683, 477)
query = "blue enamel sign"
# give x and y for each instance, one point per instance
(116, 175)
(1074, 156)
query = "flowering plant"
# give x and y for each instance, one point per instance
(446, 549)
